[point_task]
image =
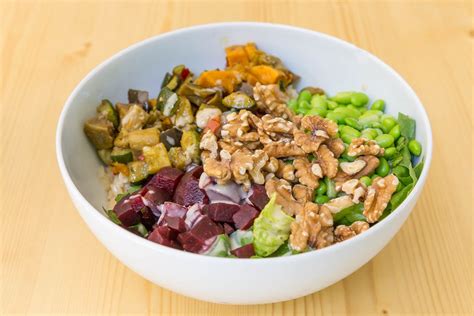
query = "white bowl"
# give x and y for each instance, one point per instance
(320, 60)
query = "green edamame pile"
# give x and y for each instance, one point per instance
(357, 117)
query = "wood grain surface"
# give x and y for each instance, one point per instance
(52, 264)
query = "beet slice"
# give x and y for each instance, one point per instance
(246, 251)
(205, 229)
(244, 218)
(188, 192)
(164, 236)
(190, 243)
(221, 212)
(258, 196)
(128, 210)
(155, 195)
(147, 217)
(166, 178)
(228, 229)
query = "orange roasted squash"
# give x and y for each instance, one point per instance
(226, 79)
(236, 55)
(266, 74)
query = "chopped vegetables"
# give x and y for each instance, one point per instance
(234, 163)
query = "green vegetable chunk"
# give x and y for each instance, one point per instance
(166, 101)
(220, 247)
(240, 238)
(106, 109)
(271, 228)
(378, 105)
(238, 100)
(415, 147)
(407, 126)
(349, 215)
(121, 155)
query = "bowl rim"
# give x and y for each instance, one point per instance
(98, 216)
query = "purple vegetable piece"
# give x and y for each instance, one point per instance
(190, 243)
(128, 210)
(147, 217)
(258, 196)
(246, 251)
(176, 223)
(155, 195)
(221, 212)
(244, 218)
(164, 236)
(205, 229)
(167, 179)
(228, 229)
(174, 216)
(188, 192)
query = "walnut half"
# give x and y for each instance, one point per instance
(343, 232)
(378, 196)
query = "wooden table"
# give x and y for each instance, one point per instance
(52, 264)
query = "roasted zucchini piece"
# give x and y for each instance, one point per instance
(178, 158)
(177, 70)
(171, 138)
(138, 171)
(156, 157)
(122, 109)
(106, 109)
(135, 118)
(184, 112)
(167, 101)
(238, 100)
(121, 155)
(137, 96)
(166, 79)
(100, 132)
(205, 113)
(122, 139)
(104, 155)
(190, 144)
(143, 137)
(173, 83)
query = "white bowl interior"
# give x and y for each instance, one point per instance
(320, 60)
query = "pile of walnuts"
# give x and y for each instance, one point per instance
(289, 154)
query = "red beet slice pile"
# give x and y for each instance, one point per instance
(194, 239)
(244, 218)
(258, 196)
(221, 212)
(167, 179)
(188, 192)
(246, 251)
(164, 236)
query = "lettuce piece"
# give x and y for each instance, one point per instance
(271, 228)
(349, 215)
(240, 238)
(407, 126)
(220, 247)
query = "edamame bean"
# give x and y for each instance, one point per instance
(388, 123)
(321, 190)
(376, 125)
(347, 138)
(373, 176)
(378, 105)
(317, 111)
(321, 199)
(366, 181)
(303, 107)
(332, 105)
(400, 171)
(390, 152)
(395, 132)
(352, 122)
(345, 129)
(375, 112)
(336, 117)
(383, 169)
(379, 131)
(385, 140)
(359, 99)
(343, 97)
(366, 118)
(318, 101)
(347, 111)
(369, 133)
(415, 147)
(304, 95)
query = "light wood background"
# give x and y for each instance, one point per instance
(51, 263)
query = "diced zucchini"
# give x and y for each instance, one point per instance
(135, 118)
(215, 100)
(156, 157)
(238, 100)
(166, 79)
(177, 70)
(205, 113)
(104, 155)
(106, 109)
(137, 96)
(100, 132)
(190, 144)
(122, 109)
(171, 137)
(167, 101)
(184, 112)
(122, 139)
(138, 171)
(173, 83)
(178, 158)
(121, 155)
(143, 137)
